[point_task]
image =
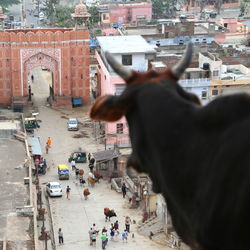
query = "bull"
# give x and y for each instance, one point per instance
(109, 213)
(197, 156)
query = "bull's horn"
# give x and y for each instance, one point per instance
(117, 67)
(180, 67)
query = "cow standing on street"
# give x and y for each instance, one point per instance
(109, 213)
(197, 156)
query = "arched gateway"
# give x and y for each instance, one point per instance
(65, 52)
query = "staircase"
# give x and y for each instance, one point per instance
(151, 227)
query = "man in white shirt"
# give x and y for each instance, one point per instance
(73, 164)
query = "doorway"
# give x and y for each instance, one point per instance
(41, 84)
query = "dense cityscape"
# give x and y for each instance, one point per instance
(65, 181)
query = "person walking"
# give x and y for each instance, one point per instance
(93, 237)
(127, 224)
(104, 239)
(73, 164)
(125, 236)
(49, 142)
(47, 148)
(116, 225)
(77, 172)
(90, 236)
(60, 236)
(124, 189)
(68, 192)
(32, 78)
(89, 157)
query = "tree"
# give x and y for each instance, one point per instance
(93, 11)
(164, 7)
(6, 3)
(243, 6)
(63, 17)
(157, 8)
(50, 11)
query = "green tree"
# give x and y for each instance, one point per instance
(243, 5)
(50, 12)
(63, 17)
(158, 8)
(93, 11)
(6, 3)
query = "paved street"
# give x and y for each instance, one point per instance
(76, 216)
(15, 10)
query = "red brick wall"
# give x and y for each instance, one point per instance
(72, 60)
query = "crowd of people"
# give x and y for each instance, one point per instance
(112, 233)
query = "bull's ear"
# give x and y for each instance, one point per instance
(107, 108)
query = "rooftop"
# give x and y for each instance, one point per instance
(125, 44)
(105, 155)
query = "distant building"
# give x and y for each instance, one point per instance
(133, 52)
(125, 12)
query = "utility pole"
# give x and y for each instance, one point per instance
(23, 13)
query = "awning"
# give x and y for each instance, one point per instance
(35, 145)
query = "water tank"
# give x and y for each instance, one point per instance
(206, 66)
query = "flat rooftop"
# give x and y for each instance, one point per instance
(125, 44)
(14, 193)
(9, 125)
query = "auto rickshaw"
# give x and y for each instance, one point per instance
(31, 123)
(79, 157)
(63, 172)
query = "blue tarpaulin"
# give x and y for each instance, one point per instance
(34, 142)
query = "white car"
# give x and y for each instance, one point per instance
(72, 124)
(54, 189)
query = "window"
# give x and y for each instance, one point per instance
(215, 92)
(127, 59)
(119, 128)
(216, 73)
(203, 94)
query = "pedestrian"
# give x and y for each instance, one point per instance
(116, 225)
(60, 236)
(32, 78)
(73, 164)
(104, 240)
(44, 163)
(116, 235)
(124, 189)
(112, 233)
(125, 235)
(90, 236)
(77, 172)
(47, 148)
(68, 192)
(49, 141)
(104, 230)
(127, 224)
(94, 228)
(89, 157)
(93, 237)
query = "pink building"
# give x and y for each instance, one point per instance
(134, 53)
(125, 12)
(231, 24)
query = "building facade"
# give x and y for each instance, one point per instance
(135, 54)
(125, 12)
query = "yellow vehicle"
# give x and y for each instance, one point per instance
(63, 172)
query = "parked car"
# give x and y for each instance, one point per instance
(54, 189)
(72, 124)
